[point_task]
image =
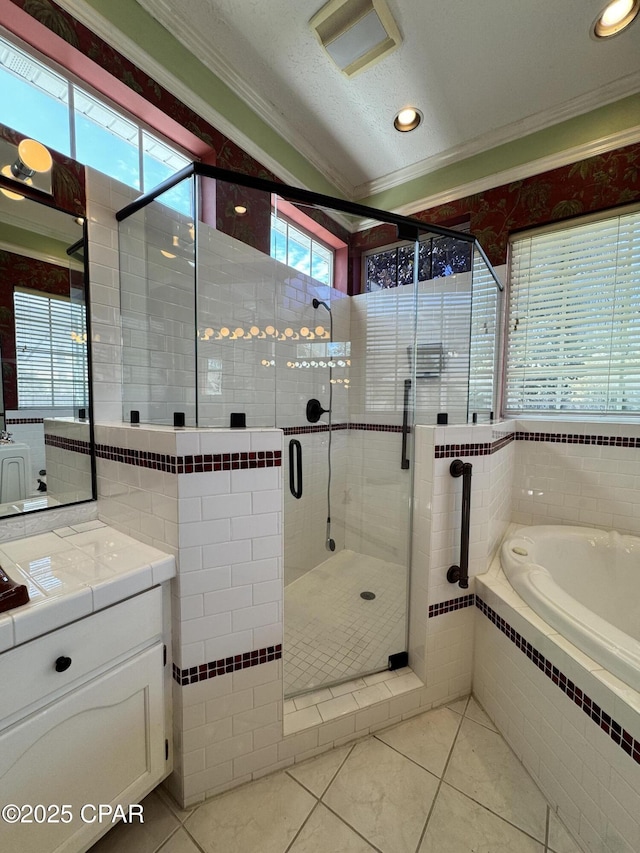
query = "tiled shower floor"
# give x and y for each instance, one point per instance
(441, 782)
(331, 633)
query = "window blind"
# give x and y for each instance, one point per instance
(573, 340)
(483, 355)
(51, 365)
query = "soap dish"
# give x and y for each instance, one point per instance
(12, 594)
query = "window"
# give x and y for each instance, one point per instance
(437, 256)
(41, 103)
(574, 319)
(50, 334)
(294, 247)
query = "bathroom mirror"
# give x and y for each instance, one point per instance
(46, 437)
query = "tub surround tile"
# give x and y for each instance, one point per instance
(559, 840)
(601, 717)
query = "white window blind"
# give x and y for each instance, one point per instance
(574, 319)
(51, 363)
(483, 355)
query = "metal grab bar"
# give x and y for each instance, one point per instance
(404, 460)
(295, 449)
(460, 574)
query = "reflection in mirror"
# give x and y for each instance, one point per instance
(45, 431)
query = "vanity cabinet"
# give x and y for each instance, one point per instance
(82, 723)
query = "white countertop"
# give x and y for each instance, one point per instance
(72, 572)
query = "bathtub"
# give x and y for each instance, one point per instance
(584, 583)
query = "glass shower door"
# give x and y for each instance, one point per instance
(342, 396)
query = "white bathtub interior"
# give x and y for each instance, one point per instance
(578, 579)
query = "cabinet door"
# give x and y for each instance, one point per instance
(101, 743)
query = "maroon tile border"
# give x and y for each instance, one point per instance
(225, 665)
(72, 444)
(305, 430)
(192, 464)
(601, 718)
(576, 438)
(12, 421)
(451, 605)
(444, 451)
(302, 430)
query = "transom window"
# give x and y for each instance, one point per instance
(392, 266)
(573, 340)
(39, 102)
(294, 247)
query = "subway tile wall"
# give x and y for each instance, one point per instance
(67, 460)
(573, 473)
(567, 746)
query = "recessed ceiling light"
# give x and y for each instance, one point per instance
(407, 119)
(615, 18)
(240, 209)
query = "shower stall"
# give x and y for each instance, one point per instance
(247, 303)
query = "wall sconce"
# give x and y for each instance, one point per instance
(28, 163)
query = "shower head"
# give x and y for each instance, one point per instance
(317, 303)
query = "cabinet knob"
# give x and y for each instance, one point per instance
(62, 663)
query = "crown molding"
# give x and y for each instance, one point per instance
(128, 48)
(193, 41)
(160, 10)
(623, 88)
(517, 173)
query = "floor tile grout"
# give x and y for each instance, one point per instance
(302, 826)
(183, 816)
(441, 778)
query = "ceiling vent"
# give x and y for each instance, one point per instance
(356, 33)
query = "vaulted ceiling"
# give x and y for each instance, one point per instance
(484, 74)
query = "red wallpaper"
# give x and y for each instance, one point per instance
(596, 183)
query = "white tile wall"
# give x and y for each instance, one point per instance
(579, 484)
(104, 197)
(593, 784)
(68, 472)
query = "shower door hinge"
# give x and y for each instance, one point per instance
(164, 655)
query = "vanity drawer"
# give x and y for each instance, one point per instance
(44, 667)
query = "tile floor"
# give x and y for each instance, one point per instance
(331, 633)
(442, 782)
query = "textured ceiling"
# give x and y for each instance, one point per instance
(482, 73)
